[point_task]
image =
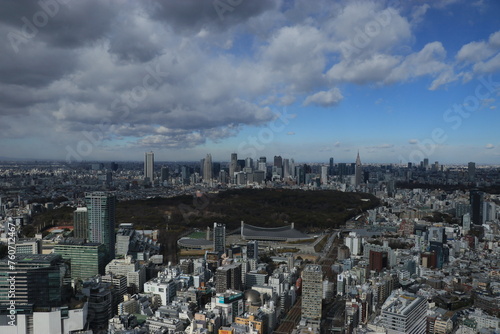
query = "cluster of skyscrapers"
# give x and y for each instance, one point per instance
(247, 171)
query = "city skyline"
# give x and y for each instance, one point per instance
(397, 81)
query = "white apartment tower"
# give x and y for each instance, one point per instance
(312, 290)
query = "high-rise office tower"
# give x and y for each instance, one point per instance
(263, 169)
(207, 168)
(404, 312)
(263, 159)
(101, 208)
(80, 223)
(164, 173)
(324, 174)
(476, 206)
(342, 169)
(39, 281)
(240, 164)
(219, 237)
(216, 168)
(330, 169)
(278, 161)
(472, 171)
(223, 176)
(286, 168)
(233, 166)
(426, 163)
(358, 172)
(149, 162)
(249, 163)
(228, 277)
(312, 290)
(253, 250)
(185, 174)
(86, 259)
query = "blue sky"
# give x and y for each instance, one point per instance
(397, 81)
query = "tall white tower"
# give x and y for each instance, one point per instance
(358, 172)
(149, 162)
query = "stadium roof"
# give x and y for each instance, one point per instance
(282, 233)
(195, 243)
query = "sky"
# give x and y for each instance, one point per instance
(396, 81)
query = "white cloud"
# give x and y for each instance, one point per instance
(418, 12)
(389, 69)
(489, 146)
(428, 61)
(325, 98)
(364, 28)
(362, 71)
(474, 51)
(490, 66)
(483, 56)
(413, 141)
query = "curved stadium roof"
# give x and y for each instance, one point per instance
(194, 243)
(282, 233)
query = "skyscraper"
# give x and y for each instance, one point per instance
(312, 290)
(286, 168)
(426, 163)
(164, 173)
(149, 162)
(249, 163)
(472, 171)
(233, 166)
(358, 172)
(476, 206)
(101, 208)
(278, 161)
(80, 223)
(207, 168)
(324, 174)
(219, 237)
(278, 166)
(330, 169)
(253, 250)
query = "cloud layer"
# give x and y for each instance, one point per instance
(176, 74)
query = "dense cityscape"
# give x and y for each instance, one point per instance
(424, 259)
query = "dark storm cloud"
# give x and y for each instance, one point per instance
(66, 24)
(193, 15)
(15, 98)
(36, 67)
